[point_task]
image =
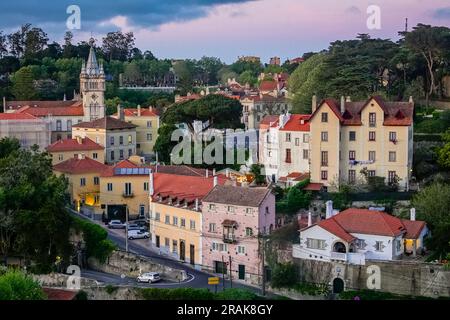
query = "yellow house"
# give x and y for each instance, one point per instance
(175, 206)
(123, 187)
(373, 136)
(83, 174)
(147, 125)
(63, 150)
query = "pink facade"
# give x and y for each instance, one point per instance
(231, 230)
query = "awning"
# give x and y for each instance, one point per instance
(229, 223)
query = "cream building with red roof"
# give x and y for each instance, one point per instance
(63, 150)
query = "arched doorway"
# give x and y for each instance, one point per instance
(339, 247)
(338, 285)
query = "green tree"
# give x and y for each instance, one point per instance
(23, 84)
(256, 169)
(444, 152)
(14, 285)
(433, 206)
(247, 77)
(185, 82)
(284, 275)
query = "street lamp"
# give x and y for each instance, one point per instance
(126, 229)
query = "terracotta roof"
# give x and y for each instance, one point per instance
(133, 112)
(268, 85)
(413, 228)
(74, 110)
(74, 145)
(295, 123)
(108, 123)
(331, 225)
(295, 176)
(270, 119)
(17, 116)
(77, 166)
(14, 105)
(240, 196)
(313, 187)
(59, 294)
(334, 106)
(264, 98)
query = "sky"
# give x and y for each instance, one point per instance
(225, 28)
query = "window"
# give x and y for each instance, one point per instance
(96, 181)
(97, 140)
(157, 216)
(315, 244)
(392, 175)
(267, 210)
(324, 136)
(149, 124)
(240, 250)
(149, 137)
(120, 154)
(69, 125)
(269, 154)
(351, 176)
(145, 186)
(60, 157)
(167, 242)
(130, 139)
(167, 219)
(398, 245)
(297, 142)
(324, 117)
(192, 224)
(130, 152)
(183, 223)
(111, 141)
(212, 227)
(372, 156)
(249, 210)
(268, 138)
(121, 140)
(141, 210)
(95, 155)
(230, 209)
(305, 154)
(109, 186)
(351, 155)
(112, 155)
(324, 175)
(305, 138)
(288, 137)
(82, 182)
(128, 188)
(371, 173)
(379, 246)
(352, 136)
(392, 156)
(288, 156)
(372, 119)
(360, 244)
(58, 125)
(393, 136)
(175, 221)
(212, 207)
(372, 136)
(324, 158)
(174, 246)
(219, 247)
(248, 232)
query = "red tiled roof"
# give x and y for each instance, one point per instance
(77, 166)
(108, 123)
(413, 228)
(313, 187)
(334, 106)
(269, 120)
(17, 116)
(73, 110)
(331, 225)
(59, 294)
(14, 105)
(74, 145)
(294, 123)
(264, 98)
(133, 112)
(268, 85)
(295, 176)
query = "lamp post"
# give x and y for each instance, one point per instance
(126, 230)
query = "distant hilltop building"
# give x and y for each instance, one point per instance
(296, 60)
(249, 59)
(275, 61)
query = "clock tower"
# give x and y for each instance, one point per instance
(92, 87)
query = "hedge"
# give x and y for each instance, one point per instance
(197, 294)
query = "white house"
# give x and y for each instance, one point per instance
(356, 235)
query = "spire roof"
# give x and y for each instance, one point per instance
(92, 67)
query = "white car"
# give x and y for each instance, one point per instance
(116, 224)
(138, 234)
(149, 277)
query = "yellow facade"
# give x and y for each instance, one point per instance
(370, 144)
(181, 230)
(61, 156)
(146, 133)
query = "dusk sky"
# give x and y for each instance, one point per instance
(225, 28)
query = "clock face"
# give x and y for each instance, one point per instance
(94, 97)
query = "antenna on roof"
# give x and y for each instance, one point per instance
(406, 25)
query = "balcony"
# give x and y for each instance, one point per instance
(229, 238)
(338, 256)
(128, 195)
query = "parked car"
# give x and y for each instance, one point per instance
(116, 224)
(134, 226)
(149, 277)
(137, 234)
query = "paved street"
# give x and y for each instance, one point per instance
(144, 248)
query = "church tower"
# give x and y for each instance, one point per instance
(92, 87)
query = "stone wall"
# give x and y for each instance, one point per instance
(131, 265)
(398, 277)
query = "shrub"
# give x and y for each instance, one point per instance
(237, 294)
(176, 294)
(284, 275)
(111, 289)
(81, 295)
(15, 285)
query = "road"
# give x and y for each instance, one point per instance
(144, 248)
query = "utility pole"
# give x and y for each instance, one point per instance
(126, 230)
(263, 269)
(231, 275)
(223, 273)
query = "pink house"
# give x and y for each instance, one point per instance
(233, 219)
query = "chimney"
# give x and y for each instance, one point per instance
(151, 189)
(119, 112)
(309, 219)
(4, 104)
(79, 140)
(216, 181)
(196, 204)
(342, 104)
(207, 173)
(214, 171)
(329, 209)
(413, 214)
(314, 103)
(139, 110)
(227, 172)
(411, 100)
(348, 99)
